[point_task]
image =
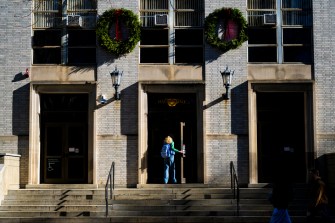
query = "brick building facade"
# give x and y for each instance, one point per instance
(274, 107)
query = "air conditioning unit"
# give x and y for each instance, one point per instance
(74, 20)
(269, 19)
(161, 20)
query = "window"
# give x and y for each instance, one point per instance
(280, 31)
(64, 35)
(172, 31)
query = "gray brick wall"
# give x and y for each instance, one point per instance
(226, 140)
(15, 55)
(324, 57)
(118, 120)
(226, 121)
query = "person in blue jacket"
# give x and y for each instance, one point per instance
(169, 164)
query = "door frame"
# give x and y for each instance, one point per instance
(147, 87)
(34, 164)
(253, 88)
(164, 120)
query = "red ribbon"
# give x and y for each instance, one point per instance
(118, 33)
(230, 27)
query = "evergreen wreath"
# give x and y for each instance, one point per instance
(117, 45)
(225, 14)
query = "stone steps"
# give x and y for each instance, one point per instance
(151, 219)
(147, 204)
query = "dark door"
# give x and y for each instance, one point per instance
(65, 153)
(166, 112)
(281, 136)
(64, 138)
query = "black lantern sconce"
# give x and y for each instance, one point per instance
(226, 77)
(116, 79)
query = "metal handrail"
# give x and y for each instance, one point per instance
(235, 187)
(110, 181)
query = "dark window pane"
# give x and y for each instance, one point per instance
(298, 54)
(64, 102)
(81, 55)
(154, 37)
(189, 55)
(75, 169)
(82, 38)
(261, 4)
(54, 141)
(47, 56)
(189, 36)
(297, 36)
(262, 36)
(154, 55)
(262, 54)
(303, 4)
(47, 38)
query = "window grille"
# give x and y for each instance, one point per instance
(286, 41)
(48, 13)
(185, 18)
(58, 41)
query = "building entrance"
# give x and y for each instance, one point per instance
(281, 136)
(64, 154)
(169, 114)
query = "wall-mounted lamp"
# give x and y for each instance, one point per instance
(102, 99)
(116, 79)
(227, 76)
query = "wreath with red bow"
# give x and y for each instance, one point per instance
(234, 28)
(118, 45)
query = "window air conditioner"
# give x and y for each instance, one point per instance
(161, 20)
(74, 20)
(270, 19)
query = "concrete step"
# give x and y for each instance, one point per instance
(90, 212)
(161, 203)
(151, 219)
(132, 207)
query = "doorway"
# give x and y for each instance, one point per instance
(281, 131)
(64, 141)
(167, 112)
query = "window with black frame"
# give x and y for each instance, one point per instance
(172, 31)
(64, 35)
(280, 31)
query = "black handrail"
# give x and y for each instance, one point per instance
(110, 181)
(235, 187)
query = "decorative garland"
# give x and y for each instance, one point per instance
(118, 45)
(228, 16)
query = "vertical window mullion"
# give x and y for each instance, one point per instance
(279, 33)
(171, 32)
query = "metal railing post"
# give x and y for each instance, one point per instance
(235, 187)
(110, 181)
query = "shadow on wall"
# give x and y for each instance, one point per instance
(20, 111)
(239, 125)
(129, 111)
(20, 127)
(21, 76)
(129, 127)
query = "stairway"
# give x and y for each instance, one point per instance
(150, 203)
